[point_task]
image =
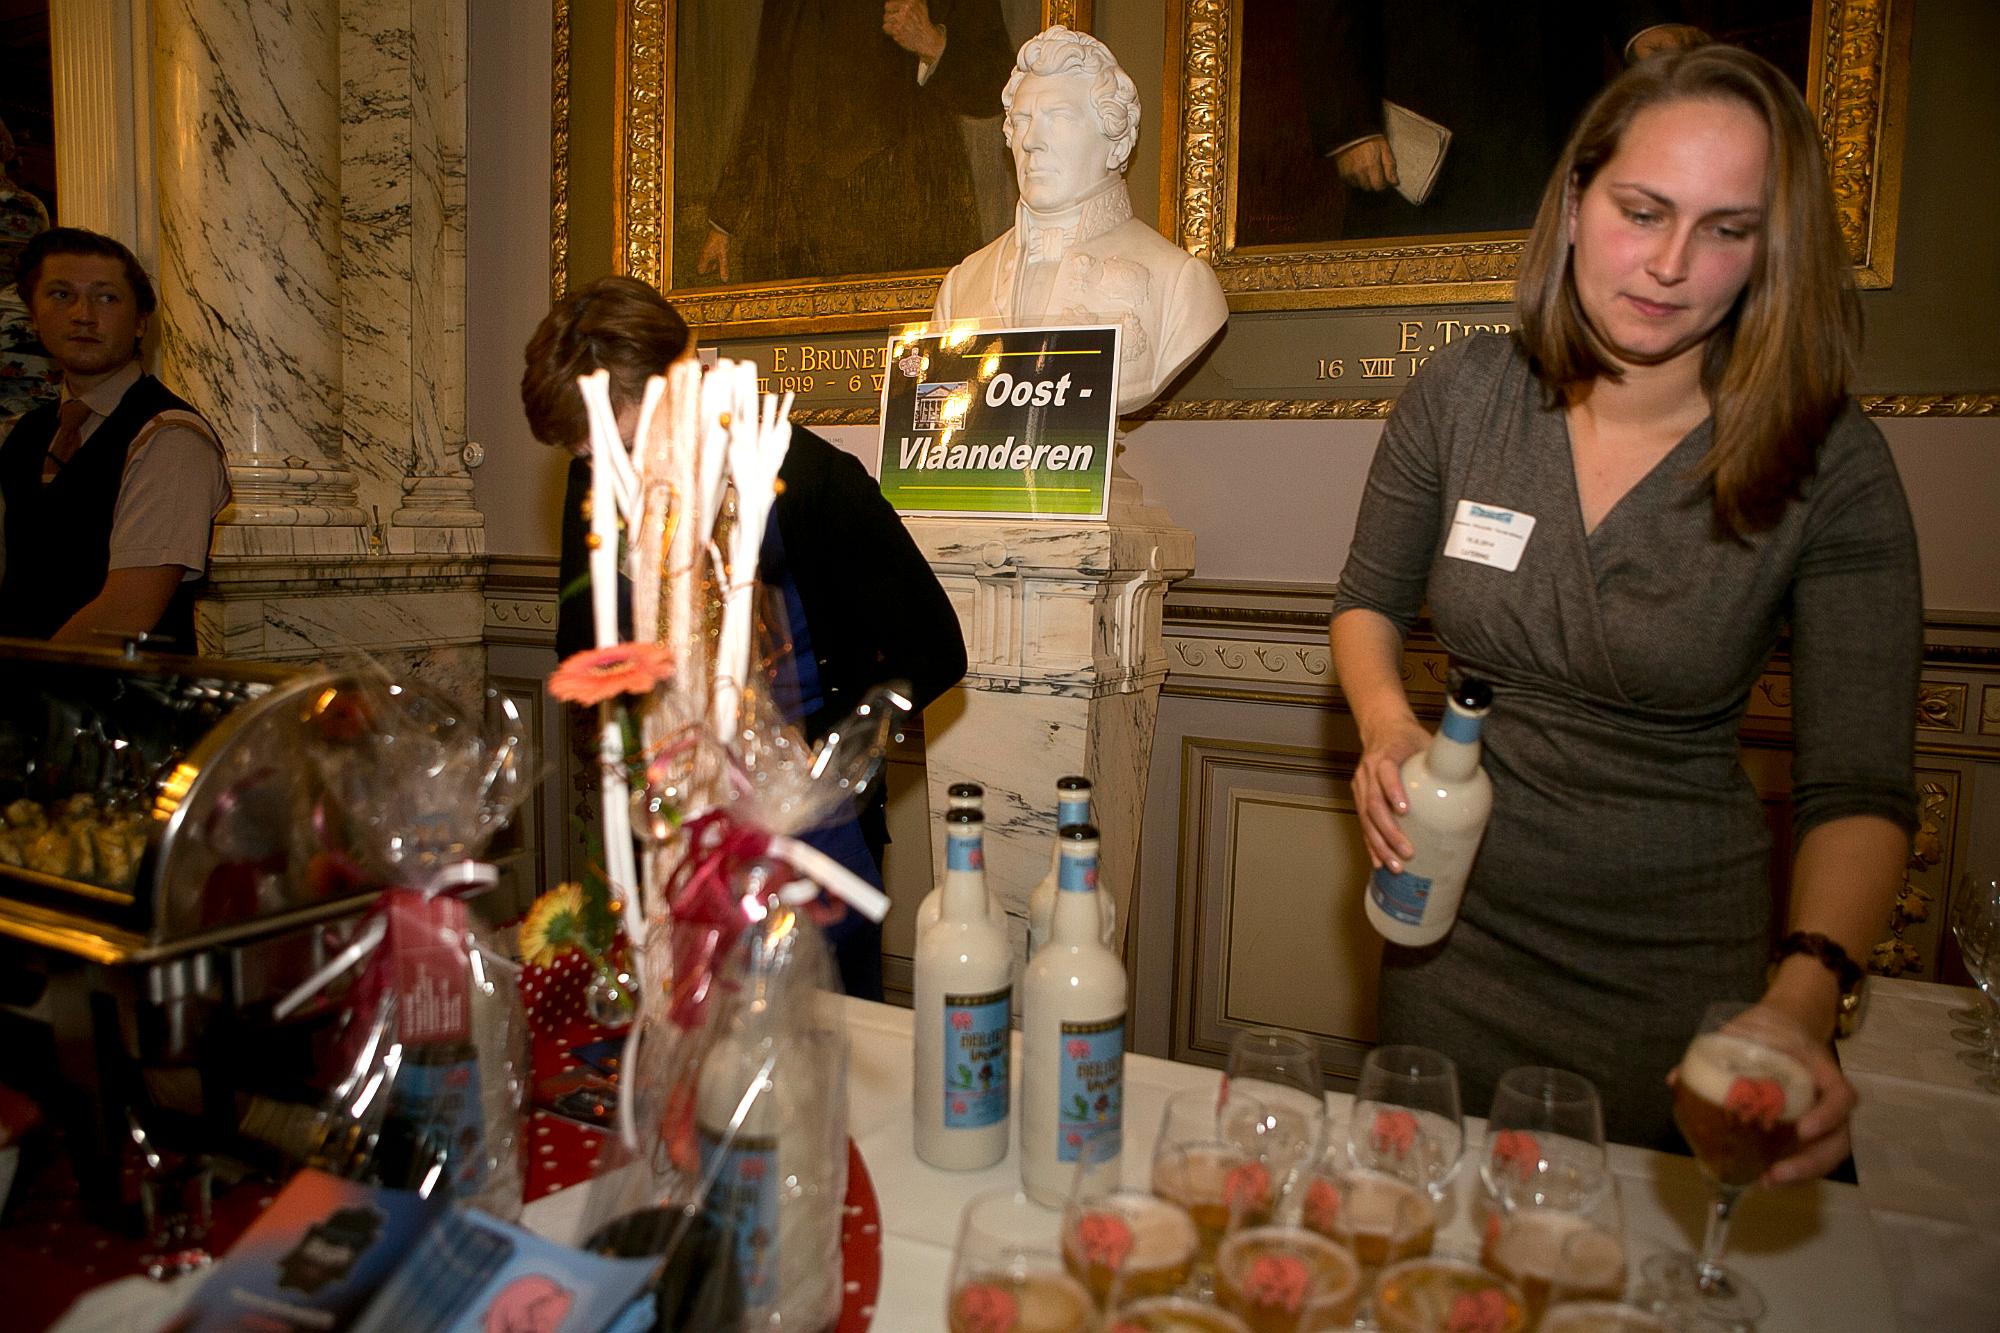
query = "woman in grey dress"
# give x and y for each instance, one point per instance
(1673, 420)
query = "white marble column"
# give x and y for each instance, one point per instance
(1062, 632)
(402, 108)
(246, 129)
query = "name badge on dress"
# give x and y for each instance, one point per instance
(1487, 535)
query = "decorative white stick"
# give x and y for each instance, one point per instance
(609, 461)
(759, 437)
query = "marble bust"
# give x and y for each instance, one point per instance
(1075, 254)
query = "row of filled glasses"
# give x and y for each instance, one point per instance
(1257, 1214)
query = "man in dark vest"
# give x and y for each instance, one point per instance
(111, 491)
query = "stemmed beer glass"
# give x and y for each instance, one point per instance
(1975, 923)
(1741, 1088)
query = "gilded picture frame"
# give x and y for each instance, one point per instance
(1856, 69)
(646, 206)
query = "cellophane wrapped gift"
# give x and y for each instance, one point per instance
(431, 1056)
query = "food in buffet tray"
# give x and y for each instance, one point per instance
(74, 838)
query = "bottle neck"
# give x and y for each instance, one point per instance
(1072, 807)
(1076, 920)
(963, 897)
(1454, 752)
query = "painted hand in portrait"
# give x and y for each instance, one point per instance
(1502, 83)
(841, 144)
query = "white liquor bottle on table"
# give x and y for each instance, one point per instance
(958, 796)
(1450, 798)
(964, 1013)
(1073, 1030)
(1072, 807)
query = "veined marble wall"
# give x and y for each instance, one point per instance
(310, 166)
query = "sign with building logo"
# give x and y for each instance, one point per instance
(1000, 423)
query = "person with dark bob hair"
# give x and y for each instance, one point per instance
(1687, 483)
(861, 602)
(112, 491)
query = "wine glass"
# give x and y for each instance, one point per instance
(1544, 1141)
(1975, 922)
(1286, 1279)
(1007, 1271)
(1123, 1243)
(1405, 1121)
(1557, 1254)
(1978, 1016)
(1209, 1158)
(1741, 1087)
(1281, 1069)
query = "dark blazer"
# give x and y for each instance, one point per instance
(874, 610)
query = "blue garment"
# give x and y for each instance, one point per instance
(856, 941)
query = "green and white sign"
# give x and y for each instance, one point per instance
(1002, 423)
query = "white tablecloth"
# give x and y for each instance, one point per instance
(1927, 1151)
(1810, 1248)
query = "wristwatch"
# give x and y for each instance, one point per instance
(1829, 955)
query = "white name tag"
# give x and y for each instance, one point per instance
(1487, 535)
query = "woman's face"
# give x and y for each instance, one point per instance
(1666, 234)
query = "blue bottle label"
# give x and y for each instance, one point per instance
(1400, 897)
(964, 853)
(442, 1100)
(976, 1033)
(744, 1205)
(1078, 874)
(1091, 1089)
(1072, 811)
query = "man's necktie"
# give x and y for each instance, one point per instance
(69, 436)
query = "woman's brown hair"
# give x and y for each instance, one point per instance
(1776, 370)
(616, 324)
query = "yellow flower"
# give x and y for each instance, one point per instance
(554, 925)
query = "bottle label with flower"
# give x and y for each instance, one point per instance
(977, 1033)
(1091, 1089)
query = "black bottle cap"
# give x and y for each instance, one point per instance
(1077, 832)
(1073, 783)
(965, 791)
(963, 816)
(1472, 694)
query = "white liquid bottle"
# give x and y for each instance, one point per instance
(1073, 1038)
(1450, 798)
(1072, 807)
(958, 796)
(964, 1014)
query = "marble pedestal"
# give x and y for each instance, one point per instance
(1062, 633)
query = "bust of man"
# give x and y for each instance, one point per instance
(1075, 254)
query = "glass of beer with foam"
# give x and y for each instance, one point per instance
(1741, 1087)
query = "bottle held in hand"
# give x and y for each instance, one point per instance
(1450, 798)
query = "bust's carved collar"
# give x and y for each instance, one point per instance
(1047, 236)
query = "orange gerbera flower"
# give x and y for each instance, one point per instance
(597, 674)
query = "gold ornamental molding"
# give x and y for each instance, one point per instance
(643, 136)
(559, 151)
(1930, 405)
(1859, 59)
